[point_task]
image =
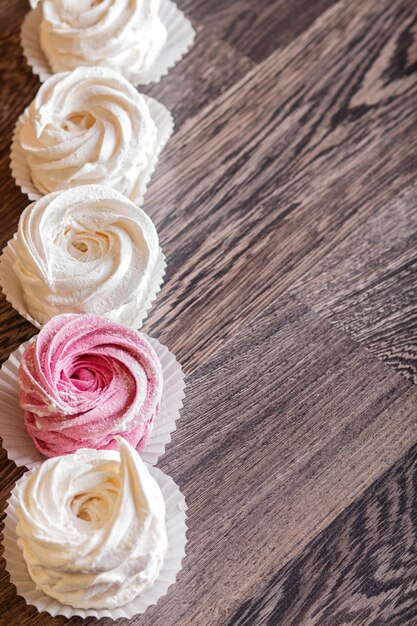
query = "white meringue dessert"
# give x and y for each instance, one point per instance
(73, 19)
(124, 35)
(91, 126)
(92, 527)
(85, 250)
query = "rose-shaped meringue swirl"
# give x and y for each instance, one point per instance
(91, 526)
(123, 35)
(89, 126)
(86, 379)
(87, 250)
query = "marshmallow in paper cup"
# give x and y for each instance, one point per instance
(81, 497)
(147, 426)
(83, 250)
(89, 126)
(143, 50)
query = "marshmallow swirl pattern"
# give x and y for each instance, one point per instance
(123, 35)
(87, 250)
(85, 380)
(89, 126)
(91, 526)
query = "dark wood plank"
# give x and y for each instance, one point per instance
(367, 284)
(266, 462)
(208, 69)
(256, 28)
(18, 85)
(361, 571)
(252, 192)
(11, 12)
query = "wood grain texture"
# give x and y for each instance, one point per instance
(10, 12)
(361, 570)
(367, 285)
(286, 208)
(256, 28)
(208, 70)
(275, 457)
(280, 169)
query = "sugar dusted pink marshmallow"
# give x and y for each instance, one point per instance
(86, 379)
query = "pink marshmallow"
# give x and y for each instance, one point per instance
(86, 379)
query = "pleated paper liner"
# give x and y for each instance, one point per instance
(18, 443)
(176, 531)
(13, 291)
(20, 168)
(180, 38)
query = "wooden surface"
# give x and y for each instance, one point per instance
(286, 203)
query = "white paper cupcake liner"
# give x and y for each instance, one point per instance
(176, 531)
(18, 443)
(180, 38)
(13, 292)
(20, 168)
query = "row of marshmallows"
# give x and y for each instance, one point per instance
(101, 532)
